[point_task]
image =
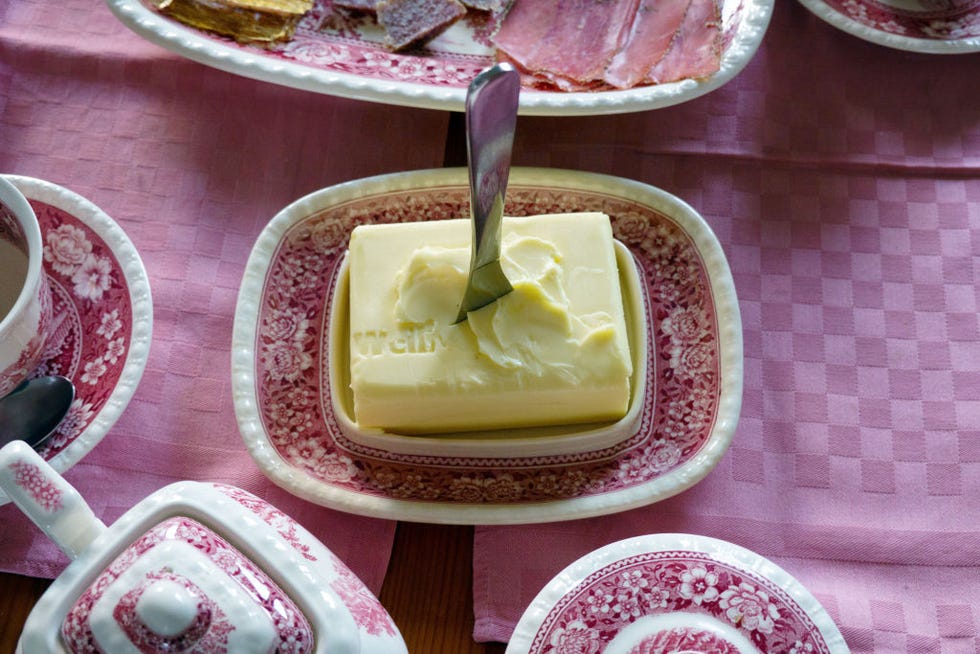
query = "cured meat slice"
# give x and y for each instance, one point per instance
(654, 26)
(573, 39)
(695, 50)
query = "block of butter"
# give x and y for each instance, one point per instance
(552, 351)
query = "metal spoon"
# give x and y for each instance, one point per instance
(491, 118)
(32, 411)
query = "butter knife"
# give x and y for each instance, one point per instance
(491, 117)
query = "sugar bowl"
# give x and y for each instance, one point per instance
(194, 567)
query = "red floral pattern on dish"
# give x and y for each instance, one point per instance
(941, 20)
(282, 523)
(293, 631)
(293, 385)
(91, 318)
(34, 351)
(364, 607)
(654, 583)
(36, 484)
(337, 42)
(675, 641)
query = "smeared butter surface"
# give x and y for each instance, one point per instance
(552, 351)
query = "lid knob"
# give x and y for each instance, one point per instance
(167, 608)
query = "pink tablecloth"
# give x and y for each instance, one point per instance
(192, 162)
(843, 181)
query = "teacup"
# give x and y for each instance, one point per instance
(25, 301)
(201, 567)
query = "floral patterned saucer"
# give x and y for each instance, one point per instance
(930, 26)
(675, 593)
(280, 367)
(342, 54)
(102, 315)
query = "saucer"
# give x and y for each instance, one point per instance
(672, 593)
(929, 26)
(102, 315)
(281, 371)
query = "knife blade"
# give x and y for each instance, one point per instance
(491, 119)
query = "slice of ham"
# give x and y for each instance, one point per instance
(570, 39)
(654, 26)
(695, 50)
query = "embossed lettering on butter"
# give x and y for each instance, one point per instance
(553, 351)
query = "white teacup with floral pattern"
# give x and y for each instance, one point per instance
(25, 301)
(196, 567)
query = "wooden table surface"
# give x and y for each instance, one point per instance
(429, 597)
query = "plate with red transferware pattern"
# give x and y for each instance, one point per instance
(342, 54)
(102, 316)
(929, 26)
(675, 593)
(281, 380)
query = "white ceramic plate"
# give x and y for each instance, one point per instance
(281, 380)
(103, 320)
(929, 26)
(347, 60)
(673, 593)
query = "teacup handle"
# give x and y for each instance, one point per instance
(47, 499)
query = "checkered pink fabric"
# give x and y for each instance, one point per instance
(192, 162)
(843, 181)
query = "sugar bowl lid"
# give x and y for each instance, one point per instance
(181, 586)
(197, 567)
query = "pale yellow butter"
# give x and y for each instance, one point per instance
(553, 351)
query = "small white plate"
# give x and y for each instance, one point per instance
(281, 371)
(347, 60)
(929, 26)
(672, 593)
(103, 322)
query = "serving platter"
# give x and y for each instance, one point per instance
(281, 380)
(343, 56)
(675, 593)
(102, 315)
(928, 26)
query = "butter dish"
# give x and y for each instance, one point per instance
(282, 360)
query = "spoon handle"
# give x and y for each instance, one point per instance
(47, 499)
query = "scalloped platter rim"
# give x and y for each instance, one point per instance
(350, 63)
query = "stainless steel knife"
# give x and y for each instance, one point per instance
(491, 118)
